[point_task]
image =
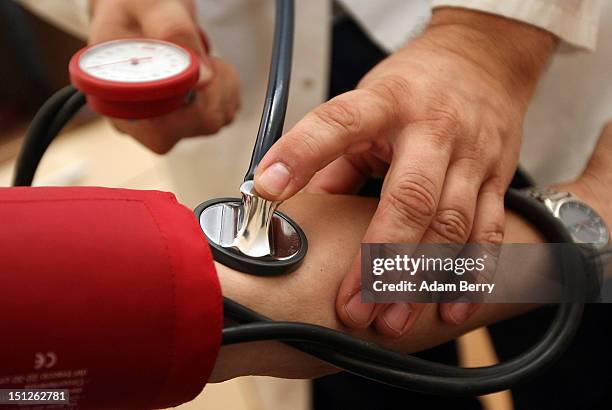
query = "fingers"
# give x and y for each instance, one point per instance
(457, 313)
(488, 229)
(490, 214)
(451, 224)
(397, 319)
(216, 95)
(454, 217)
(412, 189)
(214, 106)
(171, 21)
(320, 137)
(349, 307)
(110, 20)
(408, 203)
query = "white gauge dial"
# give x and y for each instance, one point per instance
(134, 61)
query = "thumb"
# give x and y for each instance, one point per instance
(338, 126)
(173, 22)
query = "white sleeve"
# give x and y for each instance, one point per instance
(573, 21)
(389, 23)
(71, 16)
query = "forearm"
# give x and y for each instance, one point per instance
(334, 225)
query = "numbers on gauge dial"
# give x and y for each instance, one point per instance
(134, 61)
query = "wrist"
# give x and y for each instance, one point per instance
(512, 52)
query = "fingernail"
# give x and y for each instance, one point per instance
(458, 312)
(360, 313)
(206, 73)
(275, 179)
(396, 317)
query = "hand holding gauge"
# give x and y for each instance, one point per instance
(137, 77)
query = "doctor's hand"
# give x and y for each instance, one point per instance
(441, 120)
(216, 97)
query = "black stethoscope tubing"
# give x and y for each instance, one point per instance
(277, 94)
(46, 124)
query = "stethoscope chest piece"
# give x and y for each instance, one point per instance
(250, 235)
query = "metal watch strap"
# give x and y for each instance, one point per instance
(544, 193)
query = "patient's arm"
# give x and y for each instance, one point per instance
(334, 226)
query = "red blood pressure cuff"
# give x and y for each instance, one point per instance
(109, 293)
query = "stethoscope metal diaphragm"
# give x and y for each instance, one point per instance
(250, 235)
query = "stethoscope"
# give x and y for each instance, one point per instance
(140, 78)
(250, 235)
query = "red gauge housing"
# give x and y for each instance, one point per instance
(135, 100)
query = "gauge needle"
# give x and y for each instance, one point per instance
(133, 61)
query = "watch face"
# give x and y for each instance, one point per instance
(583, 223)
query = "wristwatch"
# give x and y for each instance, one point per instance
(582, 222)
